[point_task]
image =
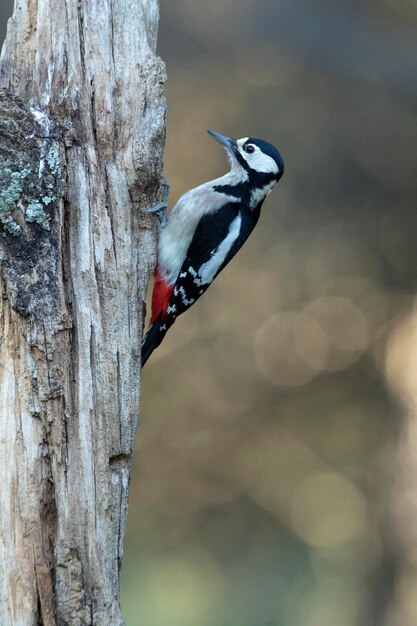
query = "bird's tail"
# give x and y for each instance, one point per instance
(154, 336)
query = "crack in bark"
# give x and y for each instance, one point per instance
(93, 110)
(120, 462)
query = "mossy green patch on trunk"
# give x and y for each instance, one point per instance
(31, 181)
(31, 188)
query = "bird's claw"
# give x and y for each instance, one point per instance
(160, 209)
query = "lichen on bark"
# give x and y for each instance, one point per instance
(31, 179)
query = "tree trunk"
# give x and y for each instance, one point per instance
(82, 124)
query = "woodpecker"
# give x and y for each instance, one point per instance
(206, 228)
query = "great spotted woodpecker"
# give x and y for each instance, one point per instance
(206, 228)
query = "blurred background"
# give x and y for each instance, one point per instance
(274, 477)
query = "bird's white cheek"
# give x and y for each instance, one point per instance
(263, 163)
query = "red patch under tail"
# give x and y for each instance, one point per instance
(161, 296)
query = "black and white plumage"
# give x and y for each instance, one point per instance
(206, 228)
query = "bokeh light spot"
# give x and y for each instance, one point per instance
(276, 356)
(345, 326)
(327, 510)
(310, 342)
(401, 359)
(185, 587)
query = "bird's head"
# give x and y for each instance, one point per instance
(254, 157)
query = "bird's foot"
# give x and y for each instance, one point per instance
(160, 209)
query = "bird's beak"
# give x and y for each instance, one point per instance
(227, 142)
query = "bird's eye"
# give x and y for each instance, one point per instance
(250, 149)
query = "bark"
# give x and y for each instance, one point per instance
(82, 124)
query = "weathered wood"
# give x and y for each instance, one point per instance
(82, 124)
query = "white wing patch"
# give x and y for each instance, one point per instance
(209, 269)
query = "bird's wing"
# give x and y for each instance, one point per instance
(206, 257)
